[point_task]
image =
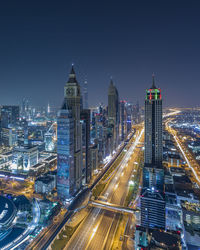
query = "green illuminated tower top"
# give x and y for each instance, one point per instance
(153, 93)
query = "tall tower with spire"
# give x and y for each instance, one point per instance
(70, 143)
(153, 197)
(153, 125)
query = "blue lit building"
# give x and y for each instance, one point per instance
(153, 177)
(49, 143)
(65, 154)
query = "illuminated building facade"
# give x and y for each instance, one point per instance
(65, 154)
(49, 142)
(24, 157)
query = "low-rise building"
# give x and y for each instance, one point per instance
(45, 184)
(156, 239)
(24, 157)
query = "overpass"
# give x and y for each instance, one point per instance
(112, 207)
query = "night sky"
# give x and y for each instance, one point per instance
(128, 40)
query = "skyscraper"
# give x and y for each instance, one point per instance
(153, 126)
(85, 121)
(123, 120)
(71, 136)
(9, 116)
(113, 114)
(129, 112)
(153, 198)
(25, 108)
(65, 154)
(85, 95)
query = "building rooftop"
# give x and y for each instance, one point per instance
(182, 179)
(147, 193)
(165, 239)
(45, 179)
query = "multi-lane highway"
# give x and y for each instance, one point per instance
(98, 229)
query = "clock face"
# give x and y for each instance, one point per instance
(70, 91)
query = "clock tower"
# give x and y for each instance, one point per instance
(72, 87)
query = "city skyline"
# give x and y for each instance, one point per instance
(127, 42)
(100, 125)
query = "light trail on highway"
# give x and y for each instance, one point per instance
(185, 157)
(85, 237)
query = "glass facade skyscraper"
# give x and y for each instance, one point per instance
(65, 151)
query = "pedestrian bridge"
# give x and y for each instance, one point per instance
(111, 207)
